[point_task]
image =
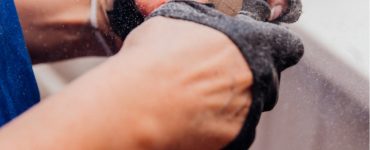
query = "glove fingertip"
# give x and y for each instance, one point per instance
(257, 9)
(295, 53)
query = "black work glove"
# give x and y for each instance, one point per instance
(267, 48)
(124, 17)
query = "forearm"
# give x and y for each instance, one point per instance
(56, 30)
(97, 111)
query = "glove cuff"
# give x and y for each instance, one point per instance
(124, 17)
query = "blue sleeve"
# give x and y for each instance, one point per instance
(18, 88)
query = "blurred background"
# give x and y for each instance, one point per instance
(324, 100)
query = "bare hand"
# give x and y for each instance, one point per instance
(202, 77)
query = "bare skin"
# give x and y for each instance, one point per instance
(277, 8)
(190, 93)
(57, 30)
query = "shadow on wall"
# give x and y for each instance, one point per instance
(313, 114)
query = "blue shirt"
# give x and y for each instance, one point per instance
(18, 88)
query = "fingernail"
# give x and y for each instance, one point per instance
(276, 11)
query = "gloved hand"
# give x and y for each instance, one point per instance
(267, 48)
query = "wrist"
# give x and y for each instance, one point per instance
(142, 132)
(147, 126)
